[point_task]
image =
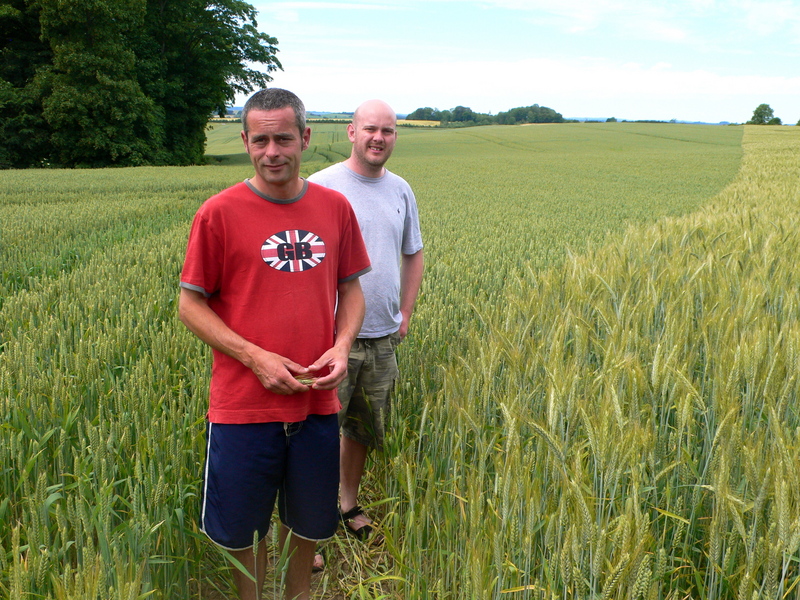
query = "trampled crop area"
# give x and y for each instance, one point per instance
(598, 397)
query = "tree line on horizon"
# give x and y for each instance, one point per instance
(95, 83)
(462, 115)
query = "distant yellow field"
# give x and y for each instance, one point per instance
(418, 123)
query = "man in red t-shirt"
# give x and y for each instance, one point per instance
(270, 282)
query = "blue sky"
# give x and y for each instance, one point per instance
(694, 60)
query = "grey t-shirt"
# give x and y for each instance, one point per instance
(387, 215)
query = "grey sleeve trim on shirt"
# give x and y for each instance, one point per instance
(356, 275)
(195, 288)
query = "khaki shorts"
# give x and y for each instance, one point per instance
(366, 393)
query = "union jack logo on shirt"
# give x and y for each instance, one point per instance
(293, 251)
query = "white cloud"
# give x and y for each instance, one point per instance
(292, 12)
(268, 6)
(685, 59)
(656, 19)
(622, 19)
(578, 88)
(765, 17)
(284, 15)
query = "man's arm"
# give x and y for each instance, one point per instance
(411, 269)
(349, 317)
(274, 371)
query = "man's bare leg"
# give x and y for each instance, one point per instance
(298, 573)
(352, 459)
(248, 589)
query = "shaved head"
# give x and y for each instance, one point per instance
(377, 107)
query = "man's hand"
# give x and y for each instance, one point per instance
(277, 373)
(403, 331)
(349, 316)
(334, 359)
(411, 268)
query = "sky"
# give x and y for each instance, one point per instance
(689, 60)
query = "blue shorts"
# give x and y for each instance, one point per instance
(248, 466)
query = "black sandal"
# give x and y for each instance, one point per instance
(363, 532)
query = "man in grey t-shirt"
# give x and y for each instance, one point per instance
(387, 215)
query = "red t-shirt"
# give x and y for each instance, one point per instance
(270, 270)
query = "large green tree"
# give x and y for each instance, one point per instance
(193, 60)
(98, 113)
(764, 115)
(122, 82)
(22, 126)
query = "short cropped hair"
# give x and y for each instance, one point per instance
(275, 99)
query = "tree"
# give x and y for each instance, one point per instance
(424, 114)
(464, 116)
(529, 114)
(764, 115)
(193, 57)
(97, 112)
(122, 82)
(22, 52)
(461, 114)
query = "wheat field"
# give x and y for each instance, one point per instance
(598, 398)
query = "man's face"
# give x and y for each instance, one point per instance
(275, 146)
(373, 135)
